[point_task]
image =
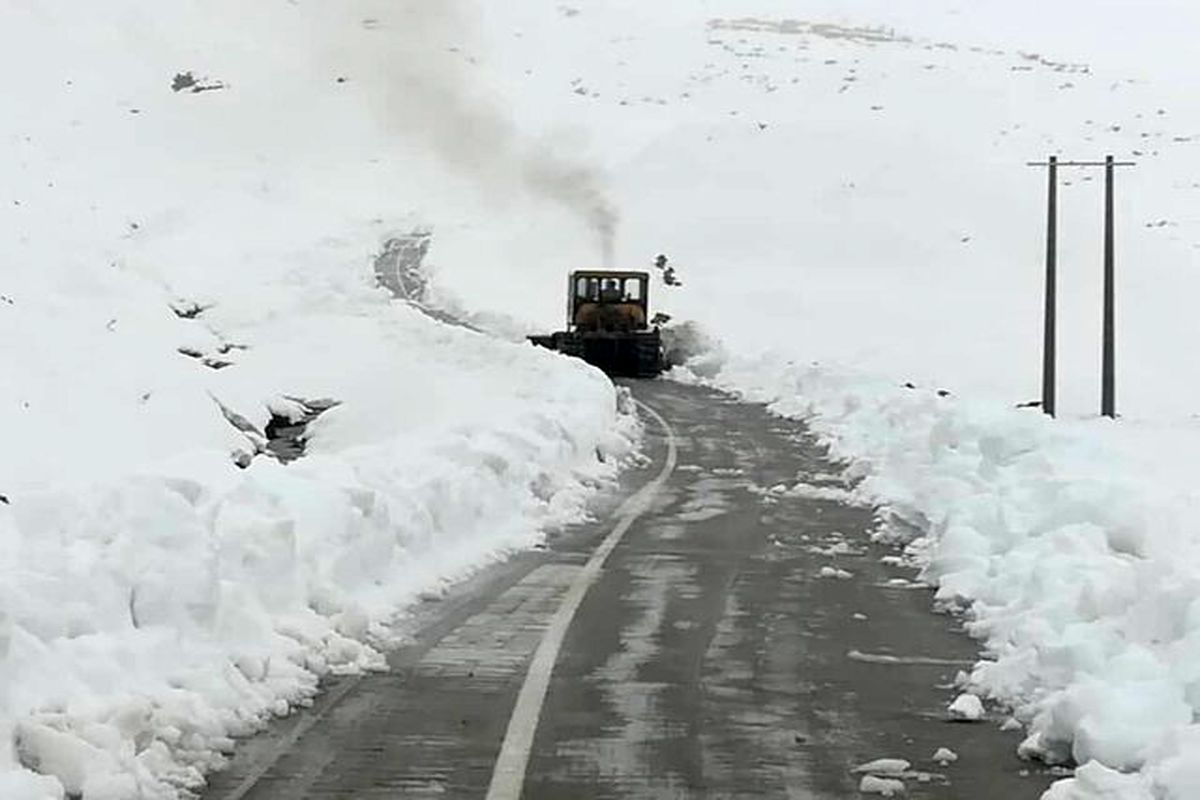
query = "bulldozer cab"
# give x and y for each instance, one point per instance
(607, 325)
(608, 301)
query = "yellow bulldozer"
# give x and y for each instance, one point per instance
(608, 324)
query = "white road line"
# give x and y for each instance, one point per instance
(508, 777)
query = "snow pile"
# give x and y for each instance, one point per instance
(1071, 553)
(966, 708)
(1094, 781)
(156, 599)
(882, 776)
(886, 787)
(884, 766)
(149, 616)
(944, 756)
(835, 494)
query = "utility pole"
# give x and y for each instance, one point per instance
(1050, 323)
(1108, 378)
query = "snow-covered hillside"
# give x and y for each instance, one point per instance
(193, 194)
(847, 180)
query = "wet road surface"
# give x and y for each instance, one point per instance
(708, 659)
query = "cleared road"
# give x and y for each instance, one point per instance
(695, 653)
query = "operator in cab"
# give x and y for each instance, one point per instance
(610, 292)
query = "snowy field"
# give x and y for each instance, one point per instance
(193, 193)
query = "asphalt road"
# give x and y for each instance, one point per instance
(705, 656)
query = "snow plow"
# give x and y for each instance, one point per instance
(608, 324)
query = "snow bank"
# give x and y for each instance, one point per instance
(1072, 554)
(145, 618)
(152, 610)
(156, 599)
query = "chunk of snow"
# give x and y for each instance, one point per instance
(944, 756)
(884, 766)
(839, 548)
(966, 708)
(835, 572)
(887, 787)
(835, 494)
(1094, 781)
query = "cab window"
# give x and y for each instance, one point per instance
(587, 289)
